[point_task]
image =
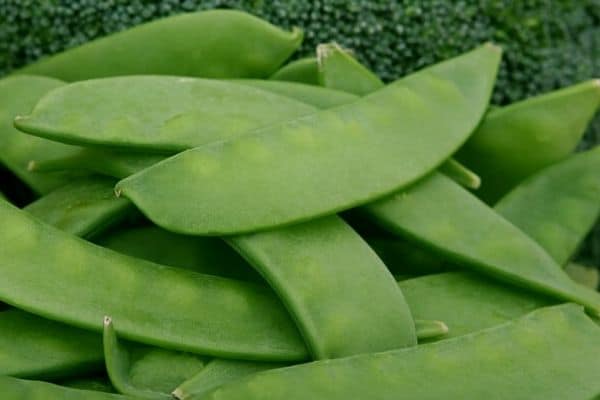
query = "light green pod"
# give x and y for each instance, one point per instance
(18, 389)
(18, 95)
(322, 163)
(212, 44)
(551, 353)
(34, 347)
(84, 207)
(558, 205)
(316, 96)
(469, 233)
(342, 297)
(155, 113)
(122, 369)
(584, 275)
(58, 276)
(515, 141)
(303, 70)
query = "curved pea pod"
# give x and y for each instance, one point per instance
(539, 356)
(122, 369)
(558, 205)
(322, 163)
(340, 294)
(471, 234)
(18, 389)
(155, 113)
(18, 95)
(316, 96)
(515, 141)
(212, 44)
(303, 70)
(83, 207)
(61, 277)
(34, 347)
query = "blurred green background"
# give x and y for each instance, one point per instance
(547, 43)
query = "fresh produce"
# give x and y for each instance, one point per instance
(235, 238)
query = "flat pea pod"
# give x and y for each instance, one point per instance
(468, 232)
(18, 389)
(303, 70)
(212, 44)
(515, 141)
(340, 294)
(558, 205)
(18, 95)
(155, 113)
(83, 207)
(322, 163)
(34, 347)
(316, 96)
(205, 314)
(539, 356)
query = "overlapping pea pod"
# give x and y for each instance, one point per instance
(303, 70)
(558, 205)
(18, 389)
(539, 356)
(215, 44)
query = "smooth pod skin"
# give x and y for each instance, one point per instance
(205, 255)
(468, 232)
(342, 297)
(517, 140)
(584, 275)
(18, 389)
(211, 44)
(155, 113)
(551, 353)
(58, 276)
(303, 70)
(84, 207)
(18, 95)
(34, 347)
(558, 205)
(322, 163)
(217, 373)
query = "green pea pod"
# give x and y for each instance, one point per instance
(517, 140)
(212, 44)
(558, 205)
(469, 233)
(153, 304)
(340, 294)
(95, 383)
(199, 254)
(316, 96)
(322, 163)
(18, 95)
(35, 347)
(303, 70)
(538, 356)
(18, 389)
(584, 275)
(83, 207)
(118, 364)
(155, 113)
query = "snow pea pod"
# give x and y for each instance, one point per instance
(34, 347)
(58, 276)
(469, 233)
(155, 113)
(558, 205)
(340, 294)
(18, 389)
(303, 70)
(501, 149)
(212, 44)
(83, 207)
(539, 356)
(18, 95)
(324, 162)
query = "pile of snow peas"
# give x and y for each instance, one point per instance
(211, 221)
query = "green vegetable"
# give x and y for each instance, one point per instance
(17, 389)
(303, 70)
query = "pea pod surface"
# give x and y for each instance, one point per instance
(18, 389)
(303, 70)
